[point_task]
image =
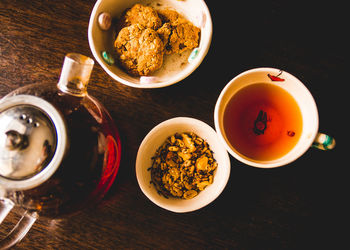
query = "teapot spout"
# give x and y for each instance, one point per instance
(75, 74)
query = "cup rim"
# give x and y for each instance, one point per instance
(281, 161)
(204, 48)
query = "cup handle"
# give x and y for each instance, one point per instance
(22, 227)
(323, 142)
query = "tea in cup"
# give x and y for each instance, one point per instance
(267, 118)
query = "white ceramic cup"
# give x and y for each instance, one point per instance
(309, 135)
(156, 137)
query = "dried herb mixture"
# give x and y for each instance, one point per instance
(183, 166)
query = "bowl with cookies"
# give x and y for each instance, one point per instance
(149, 44)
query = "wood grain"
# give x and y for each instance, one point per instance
(286, 208)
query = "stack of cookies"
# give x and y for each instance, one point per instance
(144, 35)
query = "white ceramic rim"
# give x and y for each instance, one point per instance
(61, 134)
(225, 160)
(200, 57)
(301, 147)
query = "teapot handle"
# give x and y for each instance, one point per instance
(22, 227)
(5, 207)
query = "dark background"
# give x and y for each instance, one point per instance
(298, 206)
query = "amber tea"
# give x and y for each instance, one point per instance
(263, 122)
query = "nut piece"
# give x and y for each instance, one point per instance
(105, 20)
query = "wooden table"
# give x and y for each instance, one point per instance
(291, 207)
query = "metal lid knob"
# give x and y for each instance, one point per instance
(32, 141)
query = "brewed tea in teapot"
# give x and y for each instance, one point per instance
(59, 147)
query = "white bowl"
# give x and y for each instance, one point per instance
(176, 66)
(156, 137)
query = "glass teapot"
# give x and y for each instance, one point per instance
(59, 148)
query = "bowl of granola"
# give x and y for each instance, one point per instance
(181, 165)
(149, 43)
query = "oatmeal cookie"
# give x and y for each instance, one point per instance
(143, 15)
(177, 33)
(169, 16)
(140, 50)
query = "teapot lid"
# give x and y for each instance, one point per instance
(32, 141)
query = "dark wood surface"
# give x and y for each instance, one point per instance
(292, 207)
